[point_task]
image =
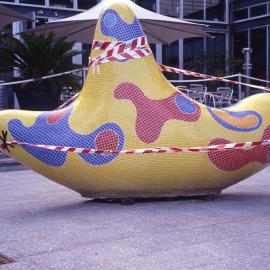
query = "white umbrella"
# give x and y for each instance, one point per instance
(8, 16)
(158, 28)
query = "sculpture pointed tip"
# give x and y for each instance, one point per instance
(117, 22)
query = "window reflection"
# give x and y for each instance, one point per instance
(206, 56)
(215, 10)
(6, 34)
(62, 3)
(40, 21)
(259, 46)
(86, 48)
(170, 8)
(240, 14)
(83, 4)
(148, 4)
(194, 9)
(214, 59)
(153, 49)
(193, 54)
(170, 58)
(33, 2)
(258, 10)
(240, 42)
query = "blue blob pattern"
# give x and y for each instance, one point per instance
(61, 134)
(113, 26)
(185, 105)
(238, 115)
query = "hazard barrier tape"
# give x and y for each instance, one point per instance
(119, 46)
(208, 80)
(210, 95)
(42, 78)
(140, 50)
(119, 51)
(134, 52)
(157, 150)
(205, 76)
(69, 101)
(133, 49)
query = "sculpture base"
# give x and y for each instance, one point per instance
(127, 199)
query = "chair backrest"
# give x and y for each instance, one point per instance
(182, 88)
(225, 92)
(197, 91)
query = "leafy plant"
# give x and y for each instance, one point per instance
(35, 56)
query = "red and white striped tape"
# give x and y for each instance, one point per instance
(108, 45)
(157, 150)
(119, 51)
(104, 45)
(69, 101)
(136, 48)
(113, 52)
(118, 57)
(205, 76)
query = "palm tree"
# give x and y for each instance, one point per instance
(34, 56)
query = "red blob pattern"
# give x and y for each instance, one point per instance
(107, 140)
(55, 116)
(231, 160)
(152, 114)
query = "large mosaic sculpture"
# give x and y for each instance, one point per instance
(129, 104)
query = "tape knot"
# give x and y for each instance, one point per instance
(4, 145)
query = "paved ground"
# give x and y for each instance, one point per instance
(46, 226)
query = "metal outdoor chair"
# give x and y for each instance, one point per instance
(182, 88)
(197, 92)
(222, 97)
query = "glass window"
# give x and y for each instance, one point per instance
(193, 54)
(214, 59)
(240, 41)
(5, 34)
(62, 3)
(170, 58)
(33, 2)
(215, 10)
(194, 9)
(83, 4)
(40, 21)
(153, 49)
(258, 10)
(86, 48)
(258, 56)
(240, 14)
(170, 8)
(27, 25)
(149, 4)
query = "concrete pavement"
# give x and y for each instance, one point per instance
(46, 226)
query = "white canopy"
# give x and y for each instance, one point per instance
(8, 16)
(158, 28)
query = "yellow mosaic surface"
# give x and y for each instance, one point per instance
(131, 105)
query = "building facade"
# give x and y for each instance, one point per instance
(251, 28)
(235, 24)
